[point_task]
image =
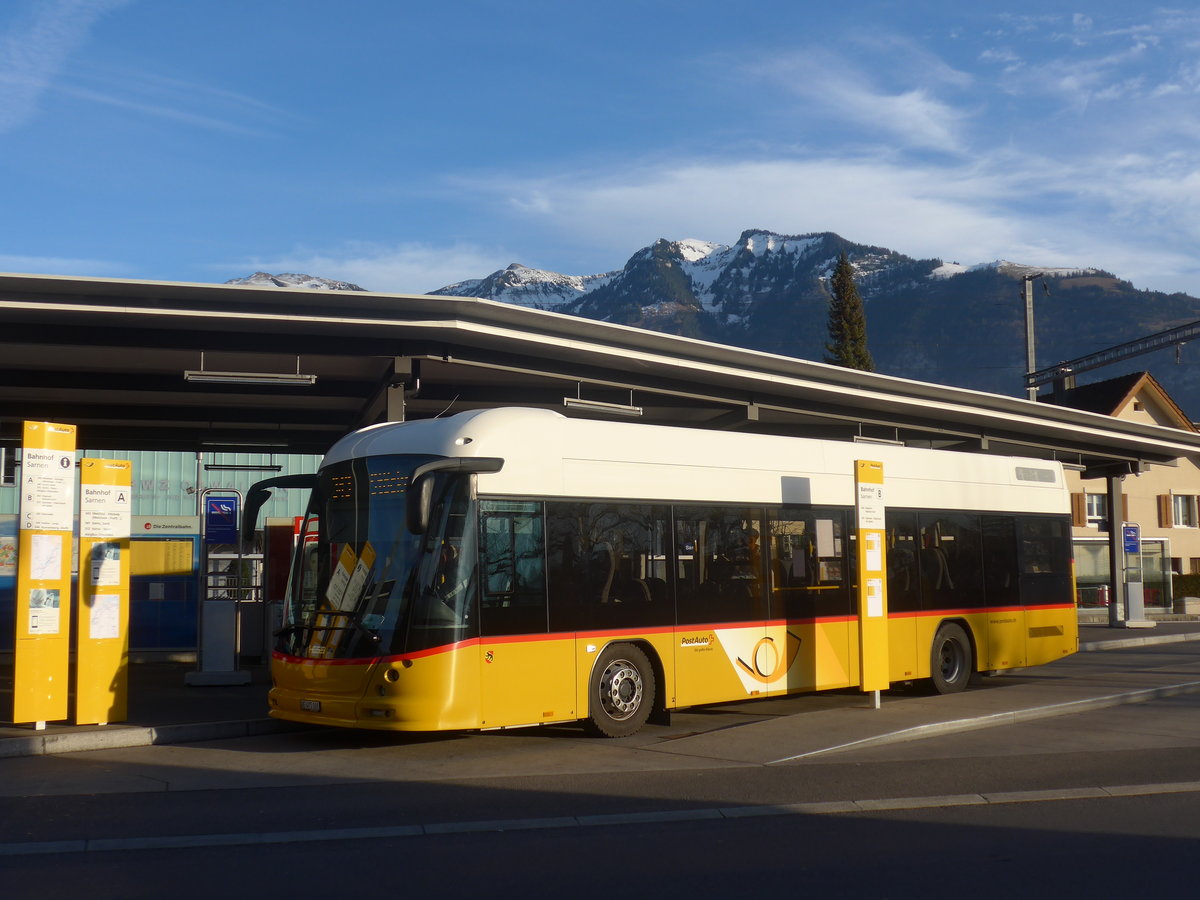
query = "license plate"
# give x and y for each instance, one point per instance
(310, 705)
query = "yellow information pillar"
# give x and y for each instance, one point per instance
(41, 655)
(102, 647)
(872, 577)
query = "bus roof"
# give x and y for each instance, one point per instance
(549, 454)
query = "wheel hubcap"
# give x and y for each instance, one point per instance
(621, 689)
(951, 660)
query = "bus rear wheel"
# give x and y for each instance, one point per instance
(621, 693)
(950, 659)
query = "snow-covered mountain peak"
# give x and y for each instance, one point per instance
(693, 250)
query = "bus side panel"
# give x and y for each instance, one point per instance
(1053, 632)
(824, 659)
(769, 666)
(902, 648)
(715, 664)
(526, 681)
(1005, 640)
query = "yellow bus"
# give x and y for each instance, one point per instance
(512, 567)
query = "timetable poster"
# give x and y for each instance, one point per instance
(45, 546)
(102, 633)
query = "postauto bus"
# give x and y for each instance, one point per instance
(511, 567)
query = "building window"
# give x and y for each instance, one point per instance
(1194, 565)
(1183, 507)
(1097, 510)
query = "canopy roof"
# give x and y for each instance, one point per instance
(110, 356)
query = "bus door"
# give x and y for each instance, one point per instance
(903, 596)
(527, 674)
(722, 647)
(811, 610)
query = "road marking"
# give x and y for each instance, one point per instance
(835, 807)
(1012, 717)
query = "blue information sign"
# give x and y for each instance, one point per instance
(221, 520)
(1132, 537)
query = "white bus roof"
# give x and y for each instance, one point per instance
(547, 454)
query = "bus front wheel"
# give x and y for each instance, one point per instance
(950, 663)
(621, 693)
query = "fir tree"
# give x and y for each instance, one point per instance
(847, 321)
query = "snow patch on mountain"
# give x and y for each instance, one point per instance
(533, 288)
(290, 279)
(948, 270)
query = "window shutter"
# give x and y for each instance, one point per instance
(1166, 517)
(1079, 510)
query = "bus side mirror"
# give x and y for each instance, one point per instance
(419, 500)
(419, 503)
(260, 493)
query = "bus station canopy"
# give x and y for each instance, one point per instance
(140, 365)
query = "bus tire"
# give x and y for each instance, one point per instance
(620, 693)
(950, 660)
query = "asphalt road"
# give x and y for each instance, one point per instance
(1102, 803)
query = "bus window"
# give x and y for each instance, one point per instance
(1045, 550)
(903, 582)
(806, 563)
(719, 559)
(1000, 561)
(607, 566)
(950, 561)
(512, 553)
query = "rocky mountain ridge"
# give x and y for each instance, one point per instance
(289, 279)
(927, 319)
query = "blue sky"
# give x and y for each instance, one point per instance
(404, 145)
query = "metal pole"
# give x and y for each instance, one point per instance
(1030, 353)
(1116, 554)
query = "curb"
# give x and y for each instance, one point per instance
(125, 736)
(1122, 643)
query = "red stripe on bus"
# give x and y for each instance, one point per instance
(666, 631)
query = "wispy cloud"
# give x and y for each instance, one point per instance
(410, 268)
(188, 103)
(61, 265)
(1080, 64)
(870, 198)
(33, 53)
(912, 115)
(1007, 204)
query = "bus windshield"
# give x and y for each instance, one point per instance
(363, 586)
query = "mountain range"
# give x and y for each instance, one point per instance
(289, 279)
(927, 319)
